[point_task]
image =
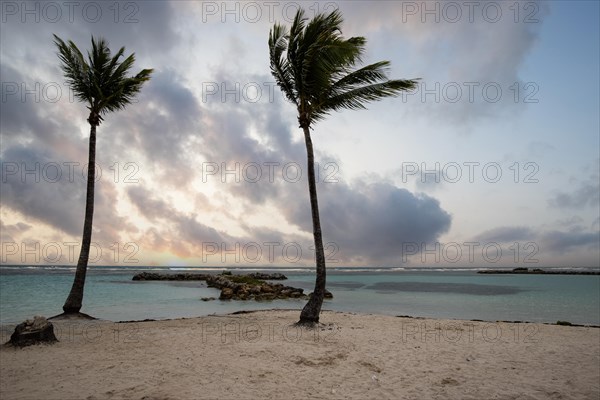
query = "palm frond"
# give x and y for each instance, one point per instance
(102, 80)
(295, 40)
(75, 68)
(319, 70)
(356, 98)
(280, 68)
(369, 74)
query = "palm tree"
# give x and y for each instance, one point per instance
(102, 82)
(317, 74)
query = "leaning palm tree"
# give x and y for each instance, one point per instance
(317, 75)
(102, 82)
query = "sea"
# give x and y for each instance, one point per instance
(453, 293)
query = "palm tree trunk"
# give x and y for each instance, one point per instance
(74, 301)
(312, 309)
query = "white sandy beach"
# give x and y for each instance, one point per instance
(261, 355)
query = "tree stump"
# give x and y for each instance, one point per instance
(38, 330)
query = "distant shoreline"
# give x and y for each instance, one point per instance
(537, 271)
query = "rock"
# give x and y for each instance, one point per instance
(241, 293)
(564, 323)
(267, 288)
(207, 298)
(265, 296)
(293, 289)
(255, 289)
(276, 276)
(153, 276)
(38, 330)
(147, 276)
(226, 294)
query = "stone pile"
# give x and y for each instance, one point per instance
(246, 288)
(252, 286)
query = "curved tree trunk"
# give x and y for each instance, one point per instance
(312, 309)
(74, 301)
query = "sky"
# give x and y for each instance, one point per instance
(493, 161)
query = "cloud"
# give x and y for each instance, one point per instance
(30, 114)
(253, 133)
(172, 230)
(370, 222)
(44, 151)
(367, 221)
(174, 127)
(38, 186)
(147, 28)
(560, 241)
(46, 138)
(240, 138)
(555, 244)
(157, 131)
(479, 44)
(587, 194)
(428, 178)
(507, 234)
(9, 232)
(58, 203)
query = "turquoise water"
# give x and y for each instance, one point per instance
(111, 294)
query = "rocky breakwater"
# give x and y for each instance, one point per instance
(537, 271)
(246, 287)
(252, 286)
(155, 276)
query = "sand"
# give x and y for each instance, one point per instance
(261, 355)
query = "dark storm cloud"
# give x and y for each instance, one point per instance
(59, 204)
(371, 222)
(144, 27)
(29, 112)
(18, 114)
(375, 220)
(53, 192)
